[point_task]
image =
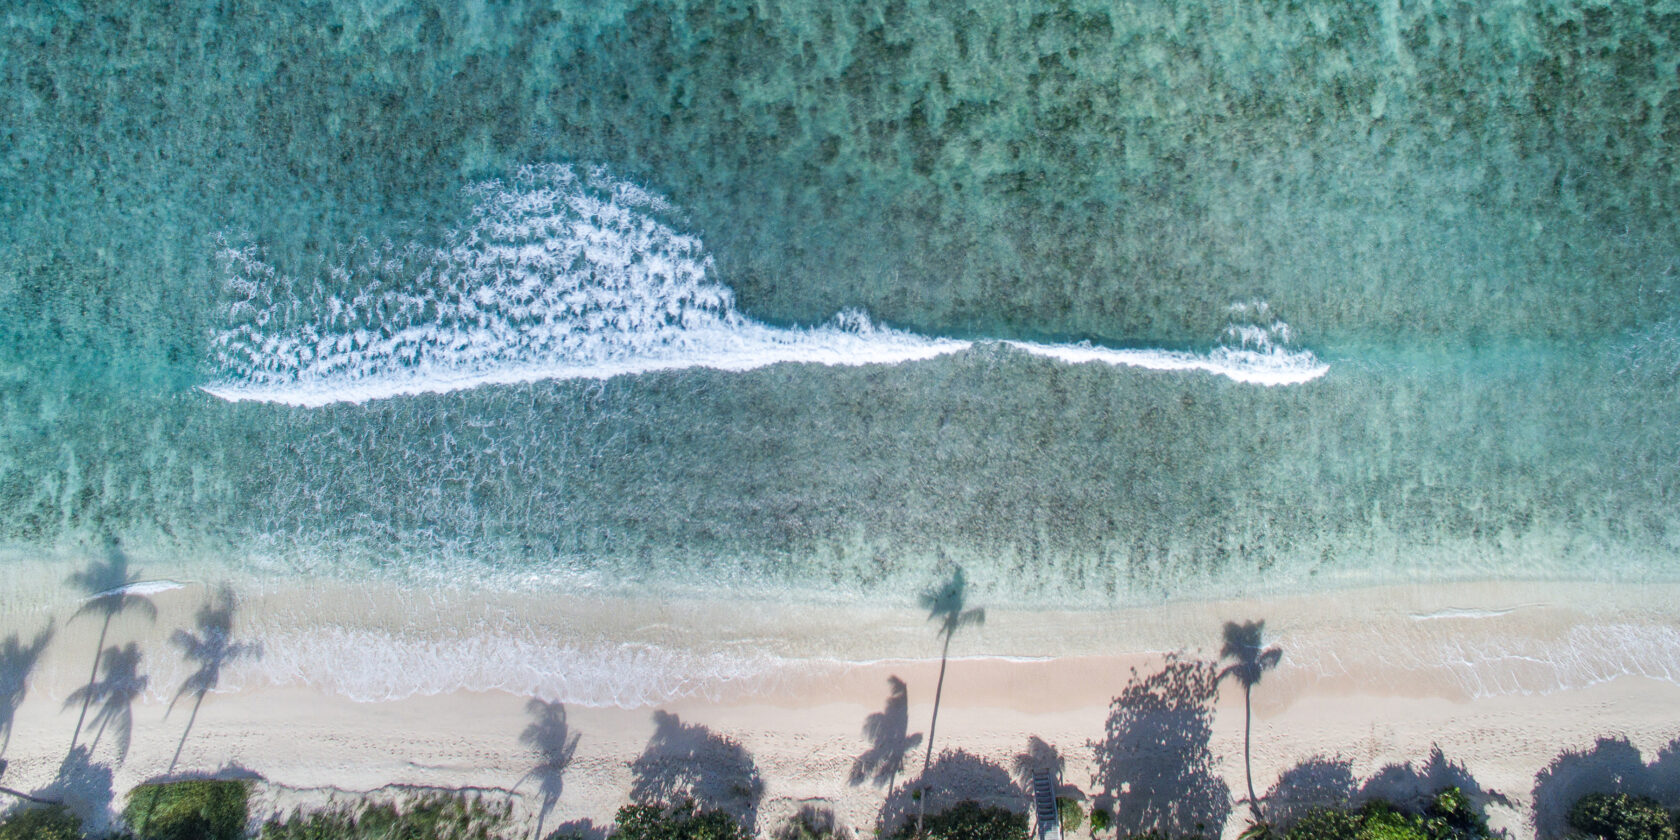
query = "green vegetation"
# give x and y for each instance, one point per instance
(812, 824)
(1452, 816)
(1100, 820)
(1071, 814)
(969, 820)
(53, 822)
(1621, 816)
(429, 816)
(195, 810)
(683, 822)
(1449, 816)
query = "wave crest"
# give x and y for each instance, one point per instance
(567, 273)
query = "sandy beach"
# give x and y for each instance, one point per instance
(1368, 698)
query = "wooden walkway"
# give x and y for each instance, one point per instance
(1047, 819)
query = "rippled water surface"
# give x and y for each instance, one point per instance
(1108, 302)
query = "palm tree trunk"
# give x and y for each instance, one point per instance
(944, 656)
(93, 677)
(1248, 763)
(185, 732)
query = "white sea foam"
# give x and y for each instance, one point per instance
(142, 588)
(566, 273)
(1485, 665)
(377, 665)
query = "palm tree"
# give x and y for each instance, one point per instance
(555, 744)
(945, 605)
(1250, 659)
(212, 647)
(116, 694)
(107, 585)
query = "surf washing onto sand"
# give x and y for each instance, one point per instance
(565, 272)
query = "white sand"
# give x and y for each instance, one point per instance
(1368, 677)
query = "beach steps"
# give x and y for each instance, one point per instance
(1047, 820)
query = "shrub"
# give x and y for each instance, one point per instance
(812, 824)
(1326, 824)
(1451, 816)
(1069, 812)
(969, 820)
(53, 822)
(1380, 821)
(196, 810)
(1100, 820)
(684, 822)
(426, 816)
(1619, 816)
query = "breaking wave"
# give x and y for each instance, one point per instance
(564, 272)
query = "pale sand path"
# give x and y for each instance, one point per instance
(803, 730)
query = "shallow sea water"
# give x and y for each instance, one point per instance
(1109, 303)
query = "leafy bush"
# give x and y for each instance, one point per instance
(1069, 812)
(1326, 824)
(195, 810)
(684, 822)
(53, 822)
(1380, 821)
(969, 820)
(1100, 820)
(812, 824)
(1619, 816)
(1449, 816)
(427, 816)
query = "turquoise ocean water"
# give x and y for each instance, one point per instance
(1110, 303)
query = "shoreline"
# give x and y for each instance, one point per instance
(1366, 683)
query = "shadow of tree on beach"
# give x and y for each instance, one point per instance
(955, 775)
(1039, 755)
(1321, 782)
(1154, 770)
(1412, 786)
(688, 761)
(84, 786)
(552, 740)
(115, 693)
(107, 583)
(1612, 765)
(17, 662)
(1318, 782)
(889, 739)
(1245, 646)
(212, 647)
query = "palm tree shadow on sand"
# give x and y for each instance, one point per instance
(554, 743)
(212, 647)
(115, 694)
(1154, 770)
(1250, 659)
(686, 761)
(108, 583)
(945, 604)
(17, 662)
(889, 739)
